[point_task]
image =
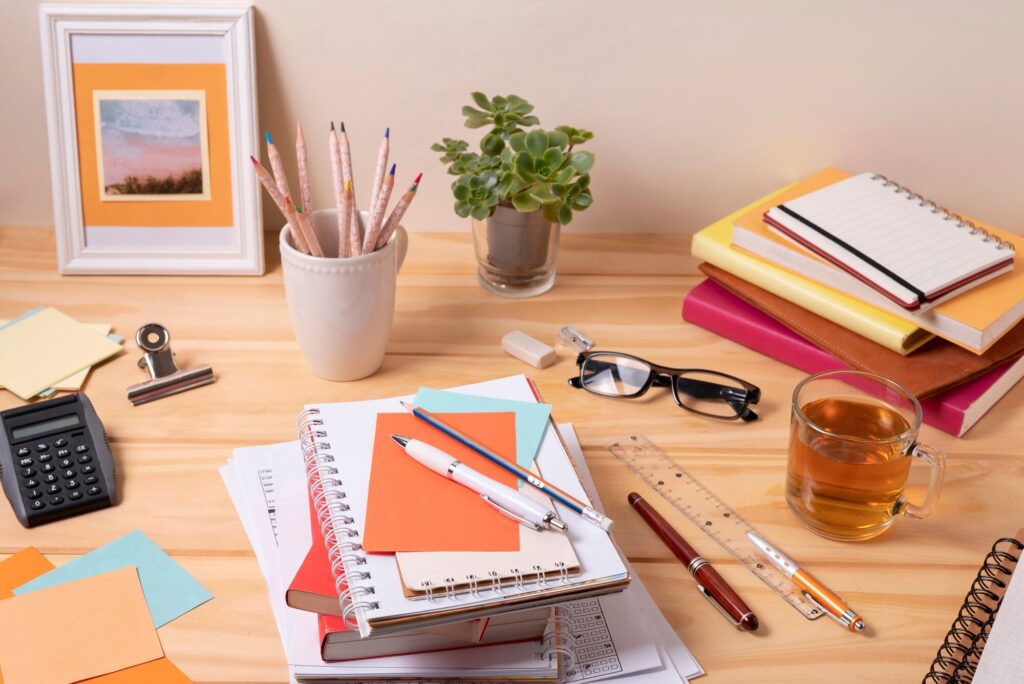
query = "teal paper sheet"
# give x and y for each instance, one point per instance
(531, 418)
(170, 591)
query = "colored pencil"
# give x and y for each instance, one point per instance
(346, 167)
(397, 213)
(344, 244)
(377, 220)
(300, 154)
(378, 174)
(275, 194)
(277, 166)
(305, 227)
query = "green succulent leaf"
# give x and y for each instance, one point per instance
(524, 162)
(517, 141)
(480, 213)
(553, 157)
(462, 209)
(492, 144)
(529, 120)
(565, 215)
(461, 192)
(536, 142)
(524, 202)
(544, 195)
(551, 211)
(582, 161)
(482, 101)
(477, 123)
(558, 139)
(582, 202)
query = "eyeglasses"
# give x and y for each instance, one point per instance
(709, 393)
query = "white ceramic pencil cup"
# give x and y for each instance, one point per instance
(341, 309)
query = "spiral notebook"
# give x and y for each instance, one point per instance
(337, 442)
(983, 646)
(904, 246)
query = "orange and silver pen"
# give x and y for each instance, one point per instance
(810, 586)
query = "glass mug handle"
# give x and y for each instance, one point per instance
(936, 460)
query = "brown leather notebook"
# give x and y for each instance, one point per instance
(936, 366)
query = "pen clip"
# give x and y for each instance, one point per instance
(509, 514)
(716, 604)
(846, 620)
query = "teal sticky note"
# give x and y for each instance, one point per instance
(531, 418)
(170, 591)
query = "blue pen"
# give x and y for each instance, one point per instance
(586, 512)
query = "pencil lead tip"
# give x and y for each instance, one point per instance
(417, 181)
(406, 405)
(253, 159)
(348, 186)
(298, 209)
(392, 171)
(267, 135)
(387, 132)
(342, 126)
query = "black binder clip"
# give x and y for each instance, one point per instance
(165, 376)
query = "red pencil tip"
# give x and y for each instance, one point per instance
(253, 159)
(417, 181)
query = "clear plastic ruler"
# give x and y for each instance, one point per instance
(706, 511)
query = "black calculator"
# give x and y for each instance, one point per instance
(55, 461)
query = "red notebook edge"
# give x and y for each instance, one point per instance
(314, 576)
(954, 411)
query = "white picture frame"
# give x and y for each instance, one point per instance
(192, 250)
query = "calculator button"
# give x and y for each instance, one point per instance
(93, 491)
(34, 493)
(31, 484)
(43, 458)
(55, 500)
(49, 478)
(91, 480)
(52, 489)
(28, 472)
(37, 504)
(73, 484)
(61, 453)
(46, 467)
(88, 469)
(67, 474)
(25, 462)
(81, 448)
(66, 463)
(60, 442)
(84, 459)
(42, 446)
(75, 496)
(24, 451)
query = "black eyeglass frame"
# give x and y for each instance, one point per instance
(666, 376)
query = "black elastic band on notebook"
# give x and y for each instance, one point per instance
(921, 296)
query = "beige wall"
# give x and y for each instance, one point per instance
(697, 106)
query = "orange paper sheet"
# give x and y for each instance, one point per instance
(23, 566)
(411, 508)
(160, 671)
(101, 624)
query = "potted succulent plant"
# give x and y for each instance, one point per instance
(519, 189)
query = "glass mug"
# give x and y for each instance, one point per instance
(853, 436)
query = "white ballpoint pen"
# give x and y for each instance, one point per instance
(507, 500)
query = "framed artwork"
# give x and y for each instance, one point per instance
(152, 117)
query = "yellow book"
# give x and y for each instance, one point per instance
(713, 244)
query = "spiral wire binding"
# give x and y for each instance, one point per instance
(344, 551)
(558, 638)
(958, 656)
(947, 215)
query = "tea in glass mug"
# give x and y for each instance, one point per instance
(853, 437)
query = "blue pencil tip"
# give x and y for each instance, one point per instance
(387, 132)
(392, 172)
(269, 141)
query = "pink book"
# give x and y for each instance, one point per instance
(954, 411)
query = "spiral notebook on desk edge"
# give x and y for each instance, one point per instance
(983, 646)
(904, 246)
(374, 593)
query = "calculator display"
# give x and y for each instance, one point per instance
(26, 431)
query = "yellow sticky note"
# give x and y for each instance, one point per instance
(101, 623)
(47, 347)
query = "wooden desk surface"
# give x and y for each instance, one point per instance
(625, 292)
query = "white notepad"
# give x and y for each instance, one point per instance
(899, 243)
(1002, 659)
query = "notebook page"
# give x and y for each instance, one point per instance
(545, 549)
(1002, 659)
(920, 246)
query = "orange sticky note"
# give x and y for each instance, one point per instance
(101, 622)
(411, 508)
(160, 671)
(23, 566)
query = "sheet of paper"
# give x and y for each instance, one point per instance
(1002, 659)
(170, 591)
(73, 382)
(46, 347)
(611, 639)
(531, 418)
(78, 630)
(23, 566)
(412, 508)
(160, 671)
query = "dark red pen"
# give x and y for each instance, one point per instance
(714, 588)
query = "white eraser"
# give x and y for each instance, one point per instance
(528, 349)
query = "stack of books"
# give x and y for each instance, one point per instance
(855, 271)
(378, 568)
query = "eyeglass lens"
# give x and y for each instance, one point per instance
(711, 394)
(614, 375)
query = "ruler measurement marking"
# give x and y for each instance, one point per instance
(657, 469)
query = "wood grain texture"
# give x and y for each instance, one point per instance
(625, 292)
